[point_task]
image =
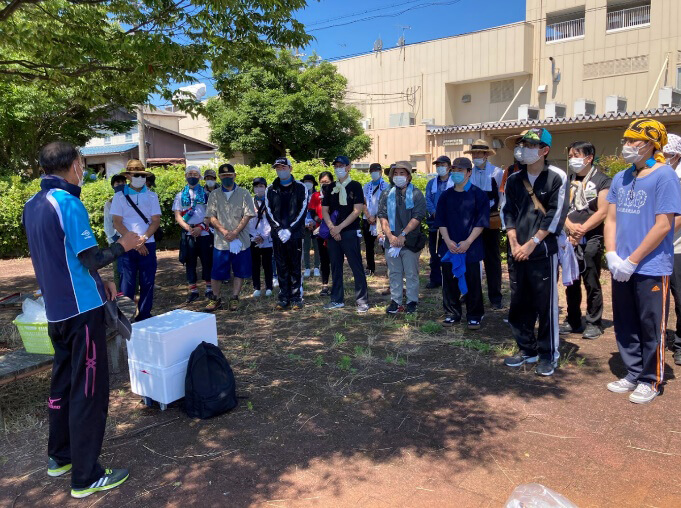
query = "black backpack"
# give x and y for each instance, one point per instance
(210, 389)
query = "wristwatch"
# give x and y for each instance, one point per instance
(145, 237)
(403, 234)
(536, 240)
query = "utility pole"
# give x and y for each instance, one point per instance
(140, 130)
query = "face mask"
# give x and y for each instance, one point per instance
(284, 174)
(309, 185)
(576, 164)
(442, 170)
(81, 178)
(630, 154)
(530, 155)
(400, 181)
(479, 162)
(211, 183)
(518, 154)
(119, 188)
(458, 177)
(375, 175)
(192, 180)
(260, 191)
(673, 161)
(341, 172)
(227, 181)
(138, 181)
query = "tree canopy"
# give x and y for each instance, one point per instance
(288, 104)
(81, 60)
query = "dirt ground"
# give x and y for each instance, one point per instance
(350, 410)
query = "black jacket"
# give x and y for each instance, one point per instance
(294, 221)
(550, 187)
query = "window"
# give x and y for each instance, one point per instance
(501, 91)
(128, 137)
(620, 17)
(107, 140)
(678, 78)
(564, 25)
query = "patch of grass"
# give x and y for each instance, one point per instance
(473, 344)
(506, 349)
(412, 318)
(339, 339)
(389, 359)
(361, 352)
(396, 359)
(581, 361)
(295, 357)
(345, 363)
(431, 328)
(249, 405)
(319, 361)
(565, 359)
(401, 361)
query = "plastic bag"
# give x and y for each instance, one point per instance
(535, 495)
(33, 311)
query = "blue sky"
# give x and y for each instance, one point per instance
(428, 19)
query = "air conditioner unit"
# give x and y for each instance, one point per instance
(669, 97)
(428, 121)
(615, 104)
(402, 119)
(584, 107)
(555, 110)
(527, 112)
(367, 123)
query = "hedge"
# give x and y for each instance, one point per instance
(14, 192)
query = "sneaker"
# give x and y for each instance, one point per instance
(257, 293)
(545, 368)
(306, 273)
(473, 324)
(362, 308)
(214, 304)
(275, 282)
(369, 273)
(520, 359)
(234, 303)
(411, 307)
(268, 292)
(393, 308)
(54, 469)
(325, 291)
(643, 394)
(566, 328)
(334, 305)
(192, 297)
(621, 386)
(677, 357)
(316, 272)
(591, 332)
(297, 306)
(282, 305)
(433, 285)
(112, 478)
(451, 320)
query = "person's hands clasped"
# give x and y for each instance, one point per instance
(625, 270)
(110, 290)
(142, 249)
(614, 261)
(195, 231)
(130, 241)
(400, 241)
(524, 252)
(463, 247)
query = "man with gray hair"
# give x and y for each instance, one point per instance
(196, 241)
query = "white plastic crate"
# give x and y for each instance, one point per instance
(170, 338)
(162, 384)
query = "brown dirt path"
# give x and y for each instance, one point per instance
(348, 410)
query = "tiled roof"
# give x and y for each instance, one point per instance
(107, 149)
(519, 124)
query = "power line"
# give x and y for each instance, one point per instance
(353, 15)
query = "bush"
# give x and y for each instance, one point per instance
(612, 164)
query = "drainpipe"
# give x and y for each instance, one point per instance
(659, 77)
(140, 129)
(514, 98)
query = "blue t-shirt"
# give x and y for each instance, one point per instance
(58, 229)
(460, 212)
(638, 202)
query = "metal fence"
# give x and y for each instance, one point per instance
(565, 30)
(626, 18)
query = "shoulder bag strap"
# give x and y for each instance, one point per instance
(535, 199)
(139, 212)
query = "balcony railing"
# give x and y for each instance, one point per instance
(565, 30)
(628, 18)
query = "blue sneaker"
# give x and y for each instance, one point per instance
(334, 305)
(54, 470)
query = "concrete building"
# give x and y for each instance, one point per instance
(581, 68)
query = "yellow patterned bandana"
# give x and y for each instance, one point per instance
(648, 129)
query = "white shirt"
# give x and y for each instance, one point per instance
(199, 210)
(146, 201)
(264, 230)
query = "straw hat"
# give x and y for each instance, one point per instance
(480, 145)
(135, 166)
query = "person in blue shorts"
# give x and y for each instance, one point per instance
(639, 241)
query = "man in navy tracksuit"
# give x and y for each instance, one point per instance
(534, 212)
(66, 258)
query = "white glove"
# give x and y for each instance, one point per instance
(393, 252)
(624, 271)
(284, 235)
(235, 246)
(613, 261)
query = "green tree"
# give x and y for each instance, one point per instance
(104, 55)
(288, 104)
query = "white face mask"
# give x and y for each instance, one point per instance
(81, 178)
(260, 191)
(284, 174)
(211, 183)
(673, 161)
(375, 175)
(530, 155)
(138, 182)
(518, 154)
(309, 185)
(480, 163)
(341, 172)
(442, 170)
(576, 164)
(631, 154)
(400, 181)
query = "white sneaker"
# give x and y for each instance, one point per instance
(268, 292)
(316, 272)
(643, 394)
(621, 386)
(275, 282)
(306, 273)
(256, 293)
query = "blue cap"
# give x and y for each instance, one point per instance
(283, 161)
(538, 135)
(342, 159)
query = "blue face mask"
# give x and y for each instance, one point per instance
(192, 180)
(227, 181)
(458, 177)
